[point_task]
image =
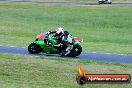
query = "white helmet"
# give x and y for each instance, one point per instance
(60, 30)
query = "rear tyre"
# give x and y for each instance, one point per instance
(109, 3)
(33, 48)
(76, 51)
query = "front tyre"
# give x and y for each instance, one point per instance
(33, 48)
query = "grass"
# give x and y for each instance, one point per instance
(44, 72)
(103, 28)
(81, 0)
(72, 0)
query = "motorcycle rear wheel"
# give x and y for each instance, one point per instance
(76, 51)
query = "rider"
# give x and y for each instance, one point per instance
(58, 34)
(68, 40)
(63, 37)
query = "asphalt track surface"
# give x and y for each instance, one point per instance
(102, 57)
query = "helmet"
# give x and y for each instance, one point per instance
(60, 30)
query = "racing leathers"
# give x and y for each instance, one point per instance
(57, 37)
(68, 40)
(63, 39)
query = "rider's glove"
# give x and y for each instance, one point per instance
(48, 32)
(50, 45)
(60, 45)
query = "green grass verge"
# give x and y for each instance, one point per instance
(44, 72)
(71, 0)
(79, 0)
(103, 28)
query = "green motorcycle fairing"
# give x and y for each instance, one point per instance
(77, 43)
(50, 49)
(46, 48)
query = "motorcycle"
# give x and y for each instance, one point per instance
(40, 46)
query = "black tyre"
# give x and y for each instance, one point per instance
(77, 49)
(109, 3)
(34, 48)
(99, 3)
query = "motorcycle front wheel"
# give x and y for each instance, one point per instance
(33, 48)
